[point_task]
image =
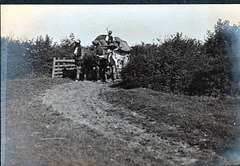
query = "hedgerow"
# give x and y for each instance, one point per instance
(187, 66)
(34, 58)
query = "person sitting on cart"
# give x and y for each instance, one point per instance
(109, 38)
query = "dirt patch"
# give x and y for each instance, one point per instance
(82, 104)
(87, 123)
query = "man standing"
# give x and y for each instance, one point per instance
(102, 60)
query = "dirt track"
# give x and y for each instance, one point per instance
(112, 137)
(71, 124)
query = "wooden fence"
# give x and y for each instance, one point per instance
(59, 64)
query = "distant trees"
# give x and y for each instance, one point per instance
(66, 47)
(41, 54)
(221, 60)
(168, 67)
(34, 56)
(187, 66)
(179, 64)
(18, 62)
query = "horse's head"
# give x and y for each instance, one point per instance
(77, 48)
(89, 54)
(76, 44)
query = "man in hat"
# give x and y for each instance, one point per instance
(99, 50)
(109, 37)
(102, 60)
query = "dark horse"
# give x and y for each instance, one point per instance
(79, 60)
(86, 63)
(90, 60)
(105, 63)
(90, 64)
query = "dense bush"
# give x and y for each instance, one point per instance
(222, 60)
(34, 57)
(165, 67)
(28, 57)
(187, 66)
(65, 48)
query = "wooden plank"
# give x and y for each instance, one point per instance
(67, 65)
(65, 60)
(53, 68)
(58, 72)
(82, 51)
(60, 69)
(60, 63)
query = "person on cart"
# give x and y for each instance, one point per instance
(109, 38)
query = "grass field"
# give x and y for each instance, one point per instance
(186, 127)
(200, 121)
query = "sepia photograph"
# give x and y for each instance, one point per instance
(120, 85)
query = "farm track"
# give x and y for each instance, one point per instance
(51, 123)
(112, 128)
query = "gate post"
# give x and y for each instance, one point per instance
(53, 67)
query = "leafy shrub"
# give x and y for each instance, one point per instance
(165, 67)
(221, 61)
(28, 57)
(34, 57)
(186, 66)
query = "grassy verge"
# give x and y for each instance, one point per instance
(199, 121)
(26, 118)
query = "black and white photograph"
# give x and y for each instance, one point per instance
(120, 85)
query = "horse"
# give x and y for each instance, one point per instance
(111, 64)
(90, 64)
(105, 63)
(79, 60)
(120, 61)
(111, 68)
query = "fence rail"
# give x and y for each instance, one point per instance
(59, 64)
(64, 60)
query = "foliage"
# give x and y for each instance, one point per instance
(28, 56)
(65, 49)
(184, 65)
(222, 60)
(166, 67)
(34, 57)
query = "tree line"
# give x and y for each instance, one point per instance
(33, 57)
(187, 66)
(179, 64)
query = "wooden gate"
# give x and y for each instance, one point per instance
(60, 63)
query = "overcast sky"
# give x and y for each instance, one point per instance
(133, 23)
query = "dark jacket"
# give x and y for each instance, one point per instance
(78, 60)
(110, 39)
(100, 50)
